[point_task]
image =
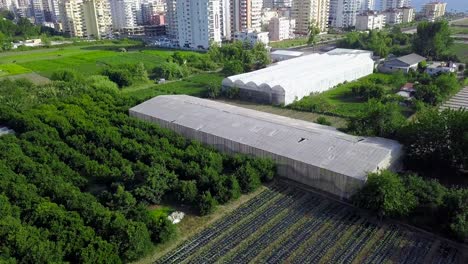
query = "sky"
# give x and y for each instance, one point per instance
(459, 5)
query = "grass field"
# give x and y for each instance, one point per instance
(287, 225)
(288, 43)
(461, 50)
(84, 59)
(195, 85)
(12, 69)
(340, 100)
(459, 30)
(337, 122)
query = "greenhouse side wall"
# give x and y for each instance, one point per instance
(325, 180)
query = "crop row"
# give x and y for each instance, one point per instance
(297, 238)
(267, 238)
(293, 226)
(234, 237)
(314, 252)
(204, 237)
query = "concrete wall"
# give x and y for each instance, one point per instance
(325, 180)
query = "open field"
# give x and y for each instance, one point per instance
(461, 50)
(340, 100)
(337, 122)
(195, 85)
(288, 43)
(84, 59)
(287, 225)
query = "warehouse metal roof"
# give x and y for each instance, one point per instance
(311, 143)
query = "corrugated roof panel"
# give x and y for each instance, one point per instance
(307, 142)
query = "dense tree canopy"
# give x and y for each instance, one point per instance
(432, 39)
(78, 174)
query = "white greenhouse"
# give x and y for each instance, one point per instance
(309, 153)
(290, 80)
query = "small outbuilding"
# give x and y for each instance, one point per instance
(404, 63)
(312, 154)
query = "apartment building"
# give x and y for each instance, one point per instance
(306, 11)
(124, 14)
(369, 21)
(393, 16)
(392, 4)
(279, 28)
(86, 18)
(171, 19)
(343, 13)
(198, 23)
(434, 10)
(97, 18)
(246, 15)
(408, 14)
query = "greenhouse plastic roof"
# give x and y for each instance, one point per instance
(298, 77)
(287, 53)
(311, 143)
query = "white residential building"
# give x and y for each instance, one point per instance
(343, 13)
(391, 4)
(408, 14)
(370, 21)
(306, 11)
(279, 28)
(434, 10)
(367, 5)
(226, 20)
(198, 23)
(37, 11)
(124, 14)
(393, 16)
(252, 37)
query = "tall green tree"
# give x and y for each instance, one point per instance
(432, 39)
(314, 30)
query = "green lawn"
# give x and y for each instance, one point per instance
(84, 59)
(299, 41)
(339, 100)
(461, 50)
(195, 85)
(459, 30)
(12, 69)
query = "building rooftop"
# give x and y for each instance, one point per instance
(287, 53)
(310, 143)
(411, 59)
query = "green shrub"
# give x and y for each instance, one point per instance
(386, 194)
(206, 203)
(323, 121)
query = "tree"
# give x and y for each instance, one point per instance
(121, 77)
(377, 119)
(386, 194)
(313, 32)
(187, 191)
(232, 68)
(432, 39)
(429, 94)
(206, 203)
(437, 140)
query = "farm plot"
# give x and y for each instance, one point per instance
(288, 225)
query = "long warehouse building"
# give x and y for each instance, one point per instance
(286, 81)
(309, 153)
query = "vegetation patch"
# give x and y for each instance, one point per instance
(12, 69)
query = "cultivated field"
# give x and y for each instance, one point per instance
(89, 59)
(286, 225)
